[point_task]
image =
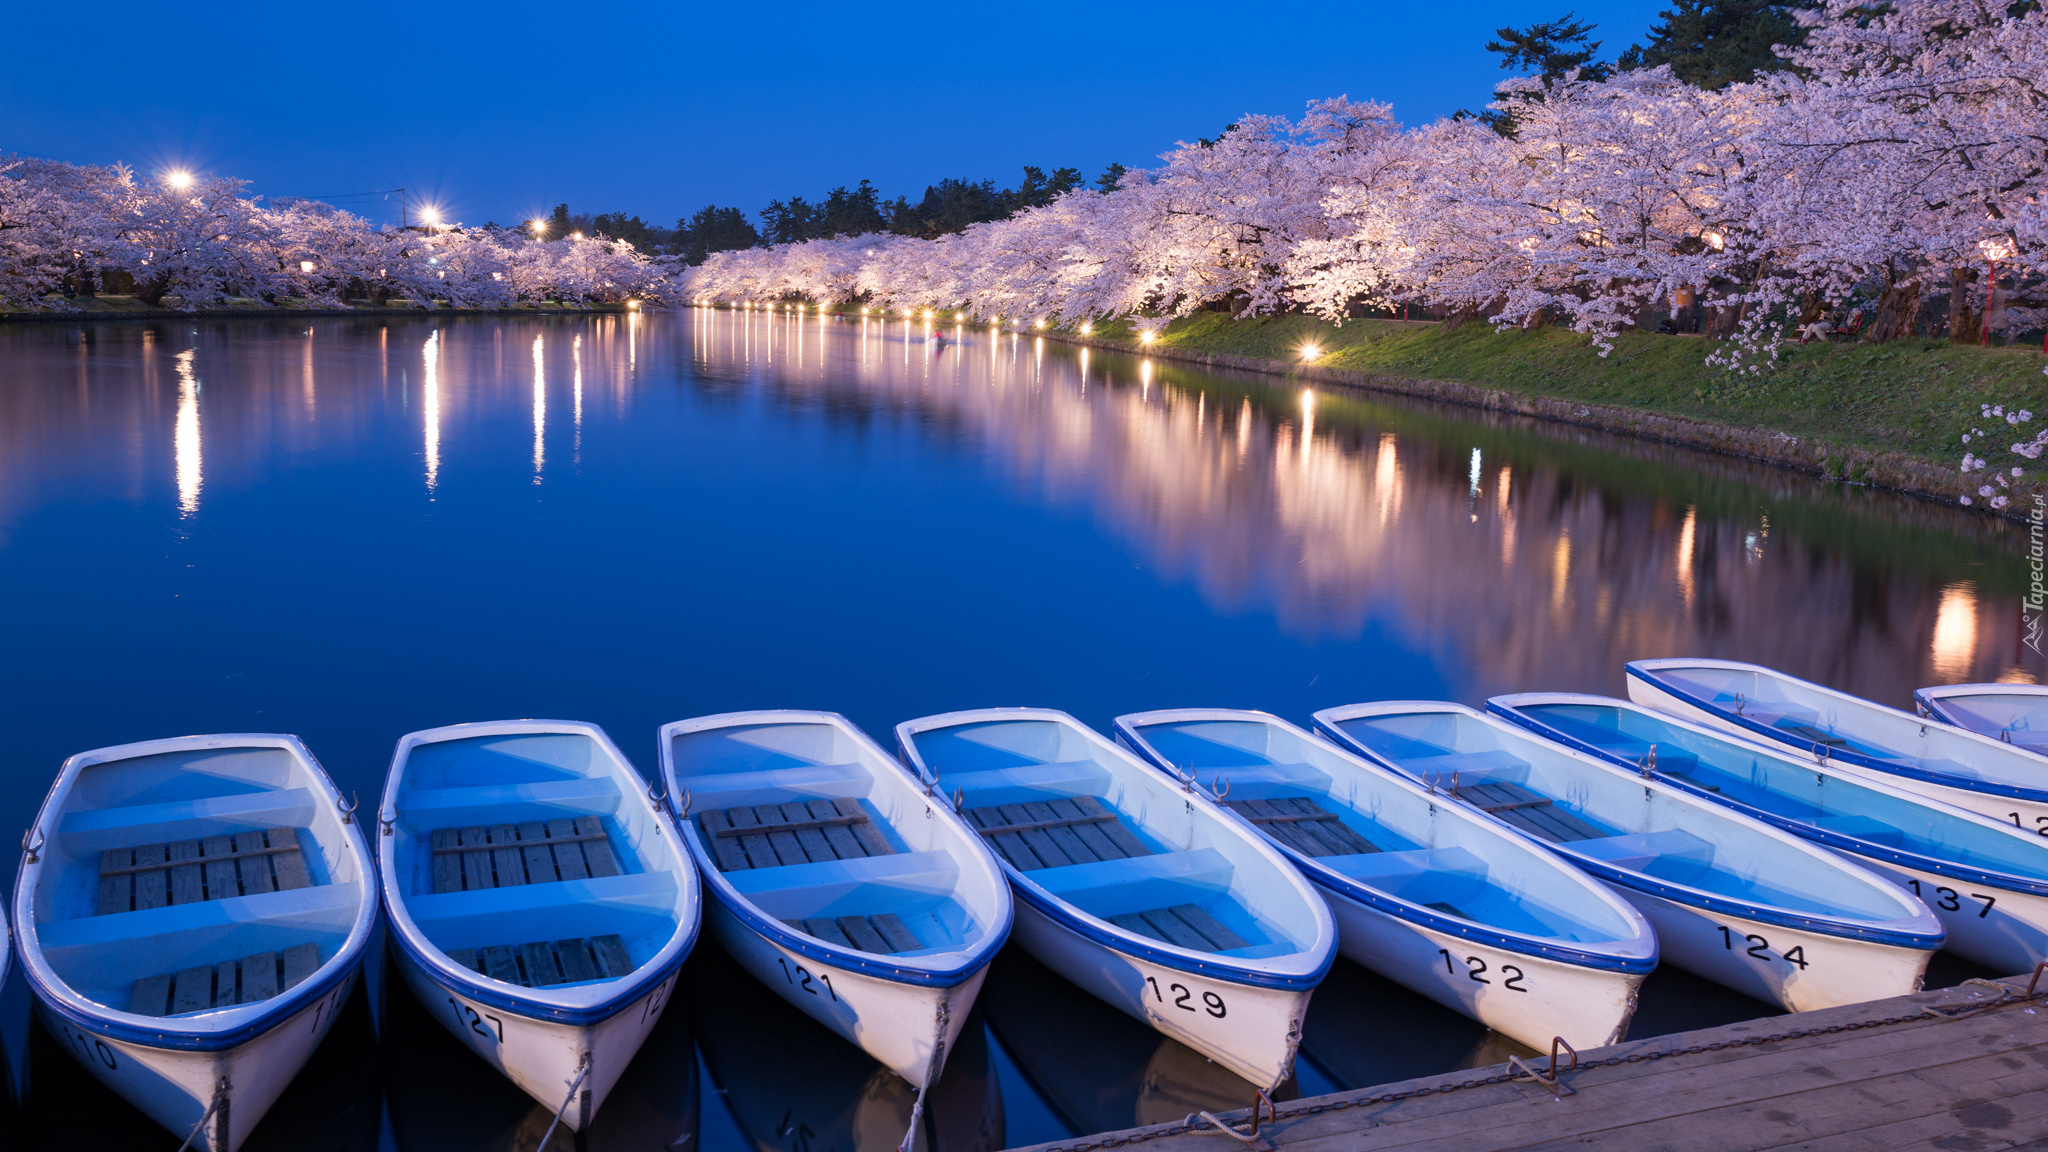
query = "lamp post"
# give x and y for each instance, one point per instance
(1995, 249)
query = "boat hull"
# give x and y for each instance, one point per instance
(2021, 813)
(1750, 956)
(1997, 927)
(1530, 999)
(1256, 1036)
(892, 1021)
(175, 1087)
(543, 1056)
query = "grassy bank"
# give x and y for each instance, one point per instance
(1912, 397)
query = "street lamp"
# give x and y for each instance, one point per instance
(179, 179)
(1995, 249)
(539, 226)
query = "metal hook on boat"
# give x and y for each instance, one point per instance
(34, 847)
(959, 800)
(1820, 752)
(1740, 703)
(1648, 763)
(387, 819)
(1219, 793)
(1187, 779)
(1921, 708)
(2005, 734)
(682, 808)
(348, 807)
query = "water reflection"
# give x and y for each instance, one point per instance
(185, 446)
(430, 403)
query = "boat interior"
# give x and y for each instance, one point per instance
(816, 829)
(1812, 719)
(1114, 839)
(1829, 802)
(2016, 717)
(1297, 789)
(521, 860)
(1604, 813)
(197, 879)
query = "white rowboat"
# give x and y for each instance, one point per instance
(1733, 899)
(2016, 714)
(195, 990)
(838, 881)
(1987, 881)
(1433, 896)
(539, 900)
(1143, 892)
(1950, 764)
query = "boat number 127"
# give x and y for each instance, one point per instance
(466, 1018)
(1182, 994)
(1475, 968)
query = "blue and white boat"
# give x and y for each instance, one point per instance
(540, 903)
(1951, 764)
(1732, 898)
(1431, 895)
(191, 913)
(1142, 891)
(1986, 880)
(838, 880)
(2016, 714)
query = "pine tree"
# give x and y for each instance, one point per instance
(1714, 43)
(1550, 50)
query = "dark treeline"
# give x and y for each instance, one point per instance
(948, 206)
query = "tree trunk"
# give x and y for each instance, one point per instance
(1963, 320)
(1811, 307)
(1896, 310)
(153, 290)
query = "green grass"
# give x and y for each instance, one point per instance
(1914, 397)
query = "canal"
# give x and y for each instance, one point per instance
(351, 529)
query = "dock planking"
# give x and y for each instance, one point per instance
(1974, 1082)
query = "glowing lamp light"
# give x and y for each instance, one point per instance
(539, 226)
(633, 304)
(863, 311)
(1147, 336)
(307, 266)
(430, 215)
(1087, 329)
(179, 179)
(959, 315)
(1714, 240)
(1311, 350)
(1996, 248)
(575, 235)
(928, 313)
(1039, 323)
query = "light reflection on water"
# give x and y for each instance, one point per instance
(359, 528)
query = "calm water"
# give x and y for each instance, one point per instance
(351, 530)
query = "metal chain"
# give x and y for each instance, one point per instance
(2010, 997)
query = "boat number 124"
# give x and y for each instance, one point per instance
(1760, 948)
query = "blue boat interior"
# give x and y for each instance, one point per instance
(115, 905)
(2017, 717)
(909, 869)
(497, 790)
(1188, 856)
(1607, 815)
(1808, 720)
(1427, 854)
(1792, 791)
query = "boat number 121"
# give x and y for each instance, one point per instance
(800, 978)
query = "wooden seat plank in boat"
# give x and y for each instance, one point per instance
(1528, 811)
(798, 832)
(535, 852)
(191, 871)
(1183, 925)
(545, 963)
(1055, 833)
(243, 981)
(1303, 825)
(884, 933)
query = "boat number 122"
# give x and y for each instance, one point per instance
(1183, 994)
(799, 977)
(1476, 969)
(1760, 948)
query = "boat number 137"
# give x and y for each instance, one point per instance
(1949, 900)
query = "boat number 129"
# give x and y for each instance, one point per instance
(799, 977)
(1760, 948)
(1476, 969)
(1183, 994)
(1949, 900)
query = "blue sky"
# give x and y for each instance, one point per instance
(500, 111)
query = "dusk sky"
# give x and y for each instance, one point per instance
(502, 111)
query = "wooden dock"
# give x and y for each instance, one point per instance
(1970, 1075)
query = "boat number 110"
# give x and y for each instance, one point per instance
(1182, 994)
